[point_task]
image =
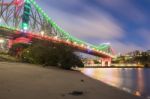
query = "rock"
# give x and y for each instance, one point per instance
(76, 93)
(82, 80)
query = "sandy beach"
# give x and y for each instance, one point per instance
(26, 81)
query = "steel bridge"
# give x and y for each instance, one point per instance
(25, 17)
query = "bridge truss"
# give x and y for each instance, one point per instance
(26, 16)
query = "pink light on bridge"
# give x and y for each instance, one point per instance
(14, 2)
(18, 2)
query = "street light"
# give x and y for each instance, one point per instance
(56, 37)
(1, 41)
(42, 33)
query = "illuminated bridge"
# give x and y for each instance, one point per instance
(25, 17)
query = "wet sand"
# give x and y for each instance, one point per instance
(26, 81)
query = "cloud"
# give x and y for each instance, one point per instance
(126, 8)
(145, 35)
(124, 47)
(98, 24)
(93, 25)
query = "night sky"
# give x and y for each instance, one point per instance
(123, 23)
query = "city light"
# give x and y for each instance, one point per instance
(42, 33)
(56, 37)
(1, 40)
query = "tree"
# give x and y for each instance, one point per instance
(143, 58)
(51, 54)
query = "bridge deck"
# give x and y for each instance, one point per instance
(11, 34)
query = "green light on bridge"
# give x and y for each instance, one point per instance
(25, 26)
(27, 1)
(26, 14)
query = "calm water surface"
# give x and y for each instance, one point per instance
(135, 81)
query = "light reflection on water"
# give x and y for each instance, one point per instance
(135, 81)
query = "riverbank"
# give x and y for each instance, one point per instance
(26, 81)
(7, 58)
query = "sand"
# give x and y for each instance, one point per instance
(26, 81)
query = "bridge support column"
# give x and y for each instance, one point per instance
(106, 61)
(18, 40)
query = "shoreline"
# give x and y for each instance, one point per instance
(127, 90)
(28, 81)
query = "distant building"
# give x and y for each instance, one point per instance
(148, 51)
(134, 53)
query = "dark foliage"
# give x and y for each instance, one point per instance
(135, 57)
(50, 54)
(16, 49)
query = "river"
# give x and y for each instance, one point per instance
(132, 80)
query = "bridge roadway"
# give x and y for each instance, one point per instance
(10, 33)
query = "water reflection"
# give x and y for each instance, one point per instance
(140, 82)
(135, 81)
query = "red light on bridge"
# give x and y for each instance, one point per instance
(21, 40)
(18, 2)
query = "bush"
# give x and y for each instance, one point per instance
(50, 54)
(16, 49)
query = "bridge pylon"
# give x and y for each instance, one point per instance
(105, 61)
